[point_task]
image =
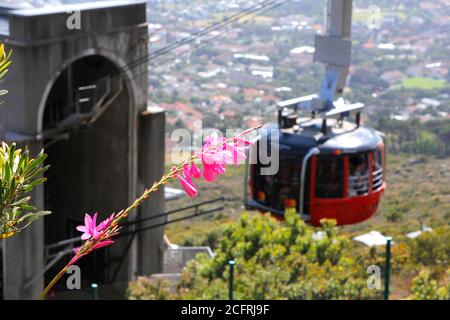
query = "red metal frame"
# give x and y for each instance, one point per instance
(346, 210)
(312, 190)
(371, 168)
(345, 176)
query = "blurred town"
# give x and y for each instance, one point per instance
(400, 60)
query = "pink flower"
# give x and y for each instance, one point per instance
(212, 170)
(99, 245)
(216, 153)
(186, 181)
(90, 228)
(214, 156)
(238, 149)
(102, 244)
(92, 231)
(214, 150)
(105, 223)
(191, 170)
(76, 257)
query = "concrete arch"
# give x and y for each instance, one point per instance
(82, 177)
(116, 60)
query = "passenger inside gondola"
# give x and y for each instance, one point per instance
(358, 180)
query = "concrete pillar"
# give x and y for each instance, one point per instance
(23, 254)
(151, 168)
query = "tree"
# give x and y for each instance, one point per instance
(442, 130)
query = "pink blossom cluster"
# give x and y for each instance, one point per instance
(216, 153)
(94, 232)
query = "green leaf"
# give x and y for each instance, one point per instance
(18, 175)
(34, 215)
(35, 183)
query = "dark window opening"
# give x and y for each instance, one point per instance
(330, 177)
(77, 89)
(378, 159)
(281, 189)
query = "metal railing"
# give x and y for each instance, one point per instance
(358, 185)
(90, 103)
(377, 179)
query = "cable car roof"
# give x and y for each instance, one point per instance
(348, 139)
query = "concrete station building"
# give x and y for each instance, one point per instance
(78, 89)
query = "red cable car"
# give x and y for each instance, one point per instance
(328, 168)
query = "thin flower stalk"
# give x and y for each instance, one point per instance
(101, 235)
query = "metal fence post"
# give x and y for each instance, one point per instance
(94, 291)
(387, 271)
(231, 291)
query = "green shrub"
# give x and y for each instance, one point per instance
(145, 288)
(426, 288)
(395, 210)
(211, 238)
(278, 260)
(432, 248)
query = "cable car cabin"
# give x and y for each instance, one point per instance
(328, 168)
(329, 165)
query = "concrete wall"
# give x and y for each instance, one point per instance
(151, 166)
(42, 48)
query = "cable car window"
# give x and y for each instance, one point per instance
(280, 190)
(378, 159)
(330, 177)
(286, 192)
(358, 178)
(377, 169)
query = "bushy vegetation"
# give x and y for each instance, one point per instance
(286, 260)
(432, 248)
(412, 136)
(426, 288)
(431, 138)
(210, 238)
(145, 288)
(276, 260)
(417, 194)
